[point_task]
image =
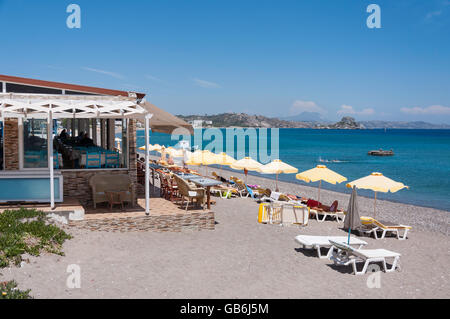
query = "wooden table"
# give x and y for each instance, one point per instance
(115, 198)
(206, 183)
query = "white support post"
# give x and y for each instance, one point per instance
(73, 123)
(50, 157)
(147, 166)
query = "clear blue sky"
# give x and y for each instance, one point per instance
(275, 58)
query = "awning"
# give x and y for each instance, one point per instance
(163, 121)
(68, 106)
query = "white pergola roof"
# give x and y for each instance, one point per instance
(69, 106)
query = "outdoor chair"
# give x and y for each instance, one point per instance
(93, 160)
(319, 242)
(173, 191)
(190, 192)
(164, 185)
(347, 255)
(101, 183)
(263, 213)
(112, 160)
(275, 197)
(292, 214)
(241, 188)
(373, 226)
(224, 191)
(327, 211)
(252, 192)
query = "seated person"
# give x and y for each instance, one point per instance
(170, 161)
(63, 135)
(86, 141)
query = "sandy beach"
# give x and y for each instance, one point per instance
(242, 259)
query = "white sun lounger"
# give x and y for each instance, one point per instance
(347, 255)
(318, 242)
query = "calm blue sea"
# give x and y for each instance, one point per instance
(421, 160)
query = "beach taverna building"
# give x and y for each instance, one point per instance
(55, 136)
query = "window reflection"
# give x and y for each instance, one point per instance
(35, 143)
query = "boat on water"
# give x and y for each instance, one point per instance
(381, 152)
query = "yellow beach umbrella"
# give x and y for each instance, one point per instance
(224, 159)
(151, 147)
(196, 158)
(248, 164)
(173, 152)
(204, 157)
(320, 173)
(209, 158)
(278, 167)
(378, 183)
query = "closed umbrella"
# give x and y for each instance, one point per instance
(378, 183)
(352, 220)
(320, 173)
(278, 167)
(248, 164)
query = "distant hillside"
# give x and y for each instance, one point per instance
(246, 120)
(403, 125)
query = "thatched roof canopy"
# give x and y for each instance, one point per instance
(163, 121)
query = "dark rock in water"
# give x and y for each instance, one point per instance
(347, 123)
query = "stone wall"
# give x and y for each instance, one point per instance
(76, 183)
(161, 223)
(11, 143)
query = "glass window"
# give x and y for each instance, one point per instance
(35, 143)
(122, 140)
(95, 144)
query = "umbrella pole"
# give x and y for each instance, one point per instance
(375, 206)
(318, 197)
(277, 184)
